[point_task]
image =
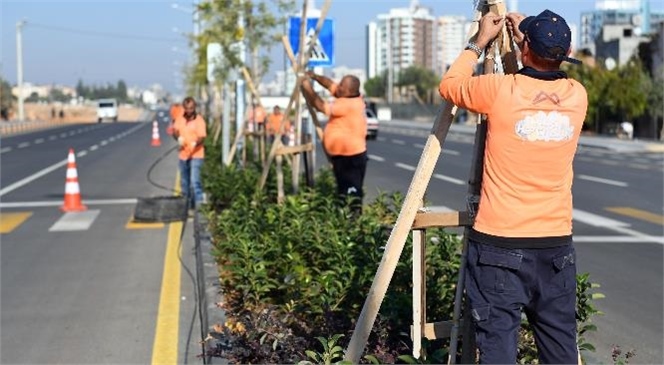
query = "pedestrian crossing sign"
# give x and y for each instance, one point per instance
(322, 50)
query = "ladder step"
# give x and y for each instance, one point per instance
(437, 330)
(429, 217)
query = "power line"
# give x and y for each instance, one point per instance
(103, 34)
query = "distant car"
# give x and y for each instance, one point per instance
(372, 124)
(107, 109)
(162, 116)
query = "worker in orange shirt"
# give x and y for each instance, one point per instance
(176, 111)
(256, 117)
(190, 131)
(345, 134)
(520, 250)
(274, 123)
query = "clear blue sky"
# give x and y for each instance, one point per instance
(53, 56)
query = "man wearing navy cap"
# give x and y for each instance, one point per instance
(520, 252)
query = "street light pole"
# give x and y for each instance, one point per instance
(239, 84)
(19, 68)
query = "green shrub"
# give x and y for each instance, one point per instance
(302, 269)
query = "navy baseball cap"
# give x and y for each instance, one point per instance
(548, 36)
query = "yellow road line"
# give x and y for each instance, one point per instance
(9, 221)
(165, 348)
(638, 214)
(141, 225)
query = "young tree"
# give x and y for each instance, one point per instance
(262, 23)
(6, 96)
(628, 96)
(422, 78)
(376, 86)
(121, 91)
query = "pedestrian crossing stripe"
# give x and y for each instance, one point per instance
(75, 221)
(638, 214)
(9, 221)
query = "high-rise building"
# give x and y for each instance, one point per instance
(405, 37)
(635, 13)
(452, 32)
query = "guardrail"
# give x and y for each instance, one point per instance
(14, 127)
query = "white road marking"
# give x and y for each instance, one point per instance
(63, 134)
(39, 140)
(103, 143)
(404, 166)
(449, 179)
(75, 221)
(93, 147)
(24, 145)
(596, 220)
(72, 133)
(52, 138)
(451, 152)
(381, 139)
(82, 153)
(32, 177)
(418, 145)
(398, 141)
(111, 139)
(41, 204)
(609, 162)
(602, 181)
(586, 159)
(376, 158)
(5, 149)
(614, 239)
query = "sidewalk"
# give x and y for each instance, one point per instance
(600, 142)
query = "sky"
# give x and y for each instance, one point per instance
(143, 41)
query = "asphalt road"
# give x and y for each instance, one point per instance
(618, 227)
(90, 287)
(95, 294)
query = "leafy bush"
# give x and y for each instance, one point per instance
(296, 271)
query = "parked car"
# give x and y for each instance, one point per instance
(372, 124)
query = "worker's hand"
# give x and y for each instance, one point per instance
(490, 27)
(513, 21)
(192, 145)
(181, 141)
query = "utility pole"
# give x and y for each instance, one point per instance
(19, 68)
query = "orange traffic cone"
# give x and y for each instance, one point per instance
(156, 142)
(72, 190)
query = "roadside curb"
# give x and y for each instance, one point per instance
(209, 291)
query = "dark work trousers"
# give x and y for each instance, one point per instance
(501, 282)
(349, 172)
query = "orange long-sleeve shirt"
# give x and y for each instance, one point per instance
(532, 134)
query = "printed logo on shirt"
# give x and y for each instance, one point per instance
(547, 127)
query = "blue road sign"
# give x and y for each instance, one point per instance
(322, 52)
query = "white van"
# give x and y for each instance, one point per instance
(107, 109)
